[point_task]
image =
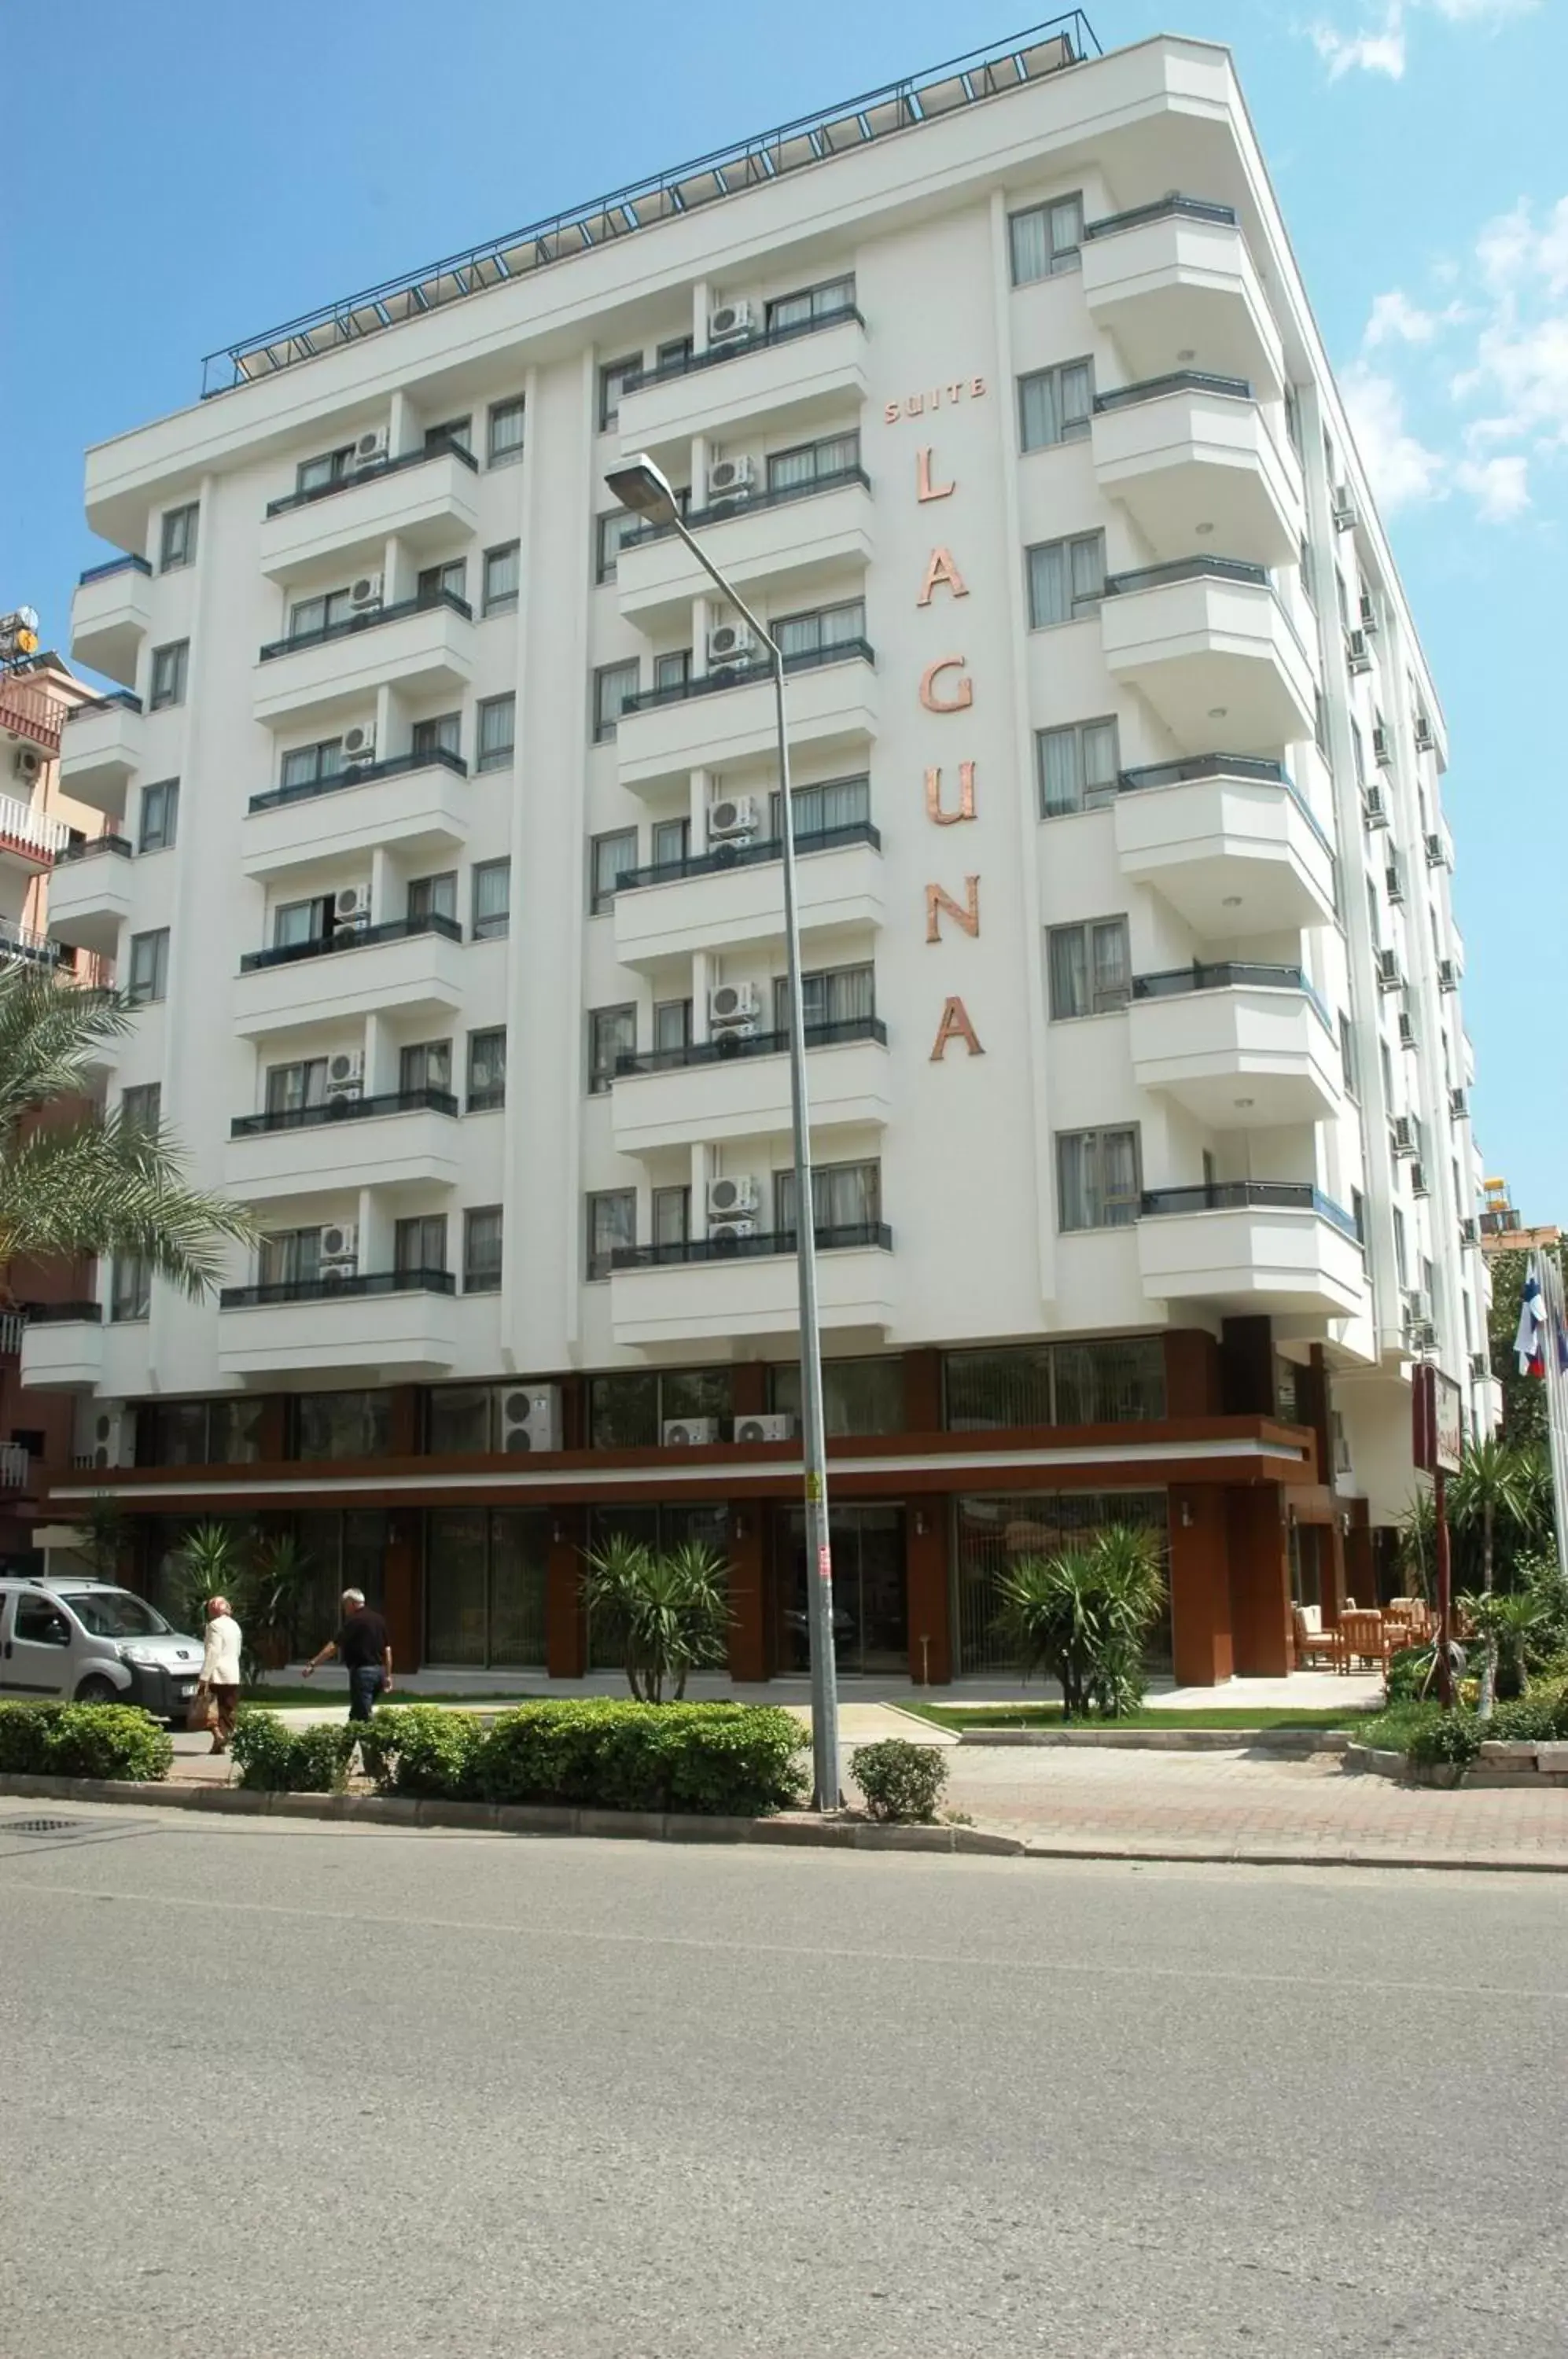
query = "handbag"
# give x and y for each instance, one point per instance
(202, 1713)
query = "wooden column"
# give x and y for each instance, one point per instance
(1360, 1567)
(1246, 1367)
(1260, 1580)
(1312, 1394)
(749, 1391)
(565, 1630)
(274, 1438)
(1200, 1586)
(1191, 1372)
(401, 1588)
(748, 1617)
(923, 1392)
(927, 1580)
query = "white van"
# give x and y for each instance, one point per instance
(63, 1638)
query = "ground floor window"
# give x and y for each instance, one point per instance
(485, 1573)
(345, 1549)
(657, 1527)
(992, 1531)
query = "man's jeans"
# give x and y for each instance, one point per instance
(365, 1682)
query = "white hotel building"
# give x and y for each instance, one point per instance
(443, 862)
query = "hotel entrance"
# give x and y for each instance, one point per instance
(871, 1616)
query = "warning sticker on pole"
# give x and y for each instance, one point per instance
(813, 1485)
(824, 1562)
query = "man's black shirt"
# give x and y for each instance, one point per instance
(363, 1640)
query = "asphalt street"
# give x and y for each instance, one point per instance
(288, 2092)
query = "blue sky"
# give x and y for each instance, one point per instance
(191, 173)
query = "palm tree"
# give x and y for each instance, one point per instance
(92, 1184)
(1083, 1616)
(1494, 1485)
(667, 1610)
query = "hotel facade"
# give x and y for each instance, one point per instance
(441, 859)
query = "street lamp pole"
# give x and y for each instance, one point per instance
(642, 487)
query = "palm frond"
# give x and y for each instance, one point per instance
(105, 1187)
(49, 1031)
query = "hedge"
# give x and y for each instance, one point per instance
(899, 1780)
(274, 1759)
(422, 1749)
(116, 1740)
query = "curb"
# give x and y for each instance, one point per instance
(1170, 1740)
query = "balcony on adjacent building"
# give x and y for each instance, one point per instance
(29, 841)
(1190, 459)
(111, 615)
(775, 378)
(406, 1138)
(20, 946)
(791, 537)
(1242, 1046)
(409, 966)
(427, 498)
(90, 893)
(423, 645)
(416, 803)
(1175, 284)
(1206, 641)
(398, 1324)
(736, 1087)
(62, 1346)
(100, 749)
(733, 896)
(1280, 1246)
(721, 720)
(716, 1288)
(1228, 842)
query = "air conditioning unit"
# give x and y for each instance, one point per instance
(1447, 975)
(1382, 750)
(734, 1006)
(1418, 1306)
(358, 746)
(727, 1198)
(365, 592)
(1480, 1366)
(351, 906)
(1425, 742)
(1345, 515)
(1436, 851)
(1394, 882)
(1374, 810)
(1469, 1233)
(735, 817)
(1406, 1032)
(113, 1436)
(371, 448)
(1368, 615)
(729, 477)
(1403, 1133)
(1389, 975)
(689, 1432)
(723, 1236)
(729, 642)
(530, 1419)
(777, 1426)
(1422, 1335)
(27, 763)
(1357, 654)
(340, 1247)
(346, 1074)
(728, 320)
(1418, 1181)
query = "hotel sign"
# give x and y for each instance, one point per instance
(1438, 1421)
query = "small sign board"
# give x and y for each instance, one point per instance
(1438, 1422)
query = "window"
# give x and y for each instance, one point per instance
(1097, 1178)
(1401, 1265)
(497, 733)
(1320, 721)
(1055, 405)
(1347, 1055)
(1294, 418)
(1358, 752)
(344, 1425)
(1078, 768)
(1358, 1215)
(1066, 579)
(40, 1622)
(300, 921)
(419, 1244)
(308, 766)
(168, 669)
(435, 582)
(492, 901)
(424, 1065)
(142, 1108)
(803, 635)
(502, 569)
(130, 1290)
(291, 1089)
(612, 1033)
(670, 841)
(615, 685)
(487, 1070)
(839, 995)
(178, 545)
(672, 672)
(858, 1395)
(1116, 1381)
(149, 966)
(1386, 1060)
(673, 353)
(1045, 239)
(316, 475)
(159, 811)
(291, 1257)
(1374, 914)
(611, 857)
(433, 897)
(813, 462)
(672, 1025)
(441, 734)
(1308, 587)
(818, 810)
(505, 438)
(611, 531)
(623, 1411)
(482, 1250)
(451, 430)
(843, 1196)
(612, 375)
(313, 617)
(1091, 968)
(786, 313)
(672, 1216)
(611, 1222)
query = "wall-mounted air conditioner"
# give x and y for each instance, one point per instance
(1425, 742)
(726, 1236)
(734, 1008)
(112, 1439)
(1374, 810)
(365, 592)
(1368, 615)
(1406, 1032)
(1458, 1105)
(1480, 1366)
(1357, 653)
(1394, 882)
(1469, 1234)
(358, 746)
(1347, 516)
(728, 320)
(729, 642)
(689, 1432)
(1419, 1180)
(371, 448)
(729, 478)
(346, 1075)
(1382, 748)
(1436, 851)
(1403, 1133)
(727, 1198)
(778, 1425)
(1389, 975)
(733, 818)
(351, 906)
(1447, 975)
(27, 763)
(340, 1248)
(530, 1419)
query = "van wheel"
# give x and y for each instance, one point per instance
(97, 1691)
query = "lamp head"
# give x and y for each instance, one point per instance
(645, 489)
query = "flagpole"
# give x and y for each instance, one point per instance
(1549, 1276)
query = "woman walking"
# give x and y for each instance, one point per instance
(220, 1671)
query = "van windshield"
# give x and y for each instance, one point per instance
(116, 1613)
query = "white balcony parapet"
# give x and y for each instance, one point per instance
(428, 498)
(412, 966)
(1175, 284)
(62, 1348)
(90, 893)
(1241, 1046)
(397, 1323)
(406, 1139)
(30, 832)
(1190, 457)
(713, 1091)
(733, 896)
(788, 538)
(1280, 1246)
(110, 614)
(423, 645)
(723, 720)
(770, 379)
(1228, 842)
(1210, 646)
(711, 1288)
(417, 802)
(100, 749)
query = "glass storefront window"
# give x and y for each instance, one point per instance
(344, 1425)
(695, 1392)
(623, 1412)
(234, 1433)
(858, 1395)
(1110, 1380)
(991, 1532)
(459, 1418)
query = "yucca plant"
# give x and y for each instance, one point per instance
(1082, 1618)
(211, 1562)
(277, 1573)
(1495, 1484)
(666, 1611)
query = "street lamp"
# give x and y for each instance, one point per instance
(645, 491)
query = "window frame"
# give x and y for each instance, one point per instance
(1102, 999)
(1073, 427)
(177, 532)
(596, 1259)
(492, 1093)
(130, 1289)
(174, 656)
(604, 728)
(1058, 259)
(500, 756)
(604, 1048)
(612, 386)
(601, 897)
(1097, 794)
(162, 794)
(505, 455)
(479, 1277)
(501, 601)
(428, 1226)
(1081, 605)
(1104, 1200)
(152, 991)
(496, 925)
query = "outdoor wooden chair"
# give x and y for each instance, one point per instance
(1318, 1645)
(1367, 1638)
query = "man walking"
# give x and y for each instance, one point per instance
(220, 1671)
(364, 1647)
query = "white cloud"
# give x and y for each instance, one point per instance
(1395, 319)
(1382, 46)
(1500, 486)
(1402, 468)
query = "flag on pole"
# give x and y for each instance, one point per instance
(1531, 1326)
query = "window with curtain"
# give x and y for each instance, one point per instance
(1079, 766)
(615, 685)
(611, 857)
(450, 429)
(812, 303)
(1097, 1178)
(858, 1395)
(610, 533)
(671, 1210)
(669, 841)
(486, 1069)
(307, 766)
(315, 474)
(482, 1250)
(130, 1288)
(169, 666)
(613, 378)
(1089, 967)
(1045, 239)
(419, 1244)
(1055, 405)
(443, 733)
(843, 1196)
(492, 899)
(433, 897)
(1066, 578)
(611, 1222)
(498, 732)
(612, 1033)
(178, 545)
(313, 615)
(294, 922)
(291, 1257)
(817, 811)
(506, 431)
(811, 462)
(623, 1410)
(672, 670)
(673, 1024)
(149, 967)
(141, 1108)
(160, 815)
(435, 582)
(503, 571)
(839, 995)
(291, 1089)
(425, 1065)
(344, 1425)
(828, 627)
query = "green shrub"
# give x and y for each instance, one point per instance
(1539, 1718)
(273, 1759)
(899, 1780)
(1409, 1677)
(24, 1738)
(83, 1740)
(1445, 1739)
(422, 1749)
(712, 1759)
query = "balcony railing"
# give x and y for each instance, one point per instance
(755, 1043)
(1228, 975)
(15, 1466)
(735, 348)
(1172, 208)
(708, 683)
(23, 829)
(351, 938)
(731, 1248)
(776, 495)
(123, 698)
(12, 1327)
(329, 1290)
(63, 1314)
(129, 562)
(369, 621)
(20, 943)
(487, 1100)
(1240, 1195)
(362, 774)
(1155, 388)
(1187, 569)
(318, 1117)
(443, 447)
(754, 854)
(1245, 768)
(88, 847)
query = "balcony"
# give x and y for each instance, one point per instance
(793, 539)
(29, 842)
(20, 945)
(1228, 842)
(736, 1088)
(100, 749)
(62, 1348)
(733, 896)
(424, 645)
(1189, 458)
(724, 718)
(111, 615)
(1175, 284)
(1241, 1046)
(729, 1287)
(90, 893)
(1206, 640)
(428, 498)
(418, 802)
(403, 1141)
(779, 378)
(1280, 1246)
(395, 1325)
(410, 966)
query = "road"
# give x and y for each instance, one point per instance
(289, 2093)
